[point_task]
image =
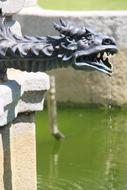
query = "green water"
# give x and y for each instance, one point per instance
(93, 156)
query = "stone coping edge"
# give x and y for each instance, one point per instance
(38, 11)
(23, 92)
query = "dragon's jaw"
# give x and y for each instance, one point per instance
(96, 59)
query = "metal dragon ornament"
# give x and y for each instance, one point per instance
(80, 48)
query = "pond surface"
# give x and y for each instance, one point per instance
(93, 156)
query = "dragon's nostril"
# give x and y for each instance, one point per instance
(108, 41)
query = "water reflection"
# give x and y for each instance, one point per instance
(92, 157)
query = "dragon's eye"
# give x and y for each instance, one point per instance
(89, 36)
(84, 39)
(70, 38)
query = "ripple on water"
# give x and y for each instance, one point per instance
(66, 184)
(58, 184)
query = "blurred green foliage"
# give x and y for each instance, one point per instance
(84, 4)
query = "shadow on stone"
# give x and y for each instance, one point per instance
(16, 94)
(7, 173)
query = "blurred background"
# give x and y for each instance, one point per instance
(84, 4)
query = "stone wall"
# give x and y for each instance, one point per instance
(78, 86)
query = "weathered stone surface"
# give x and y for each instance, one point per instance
(78, 86)
(23, 92)
(29, 3)
(18, 154)
(1, 162)
(10, 7)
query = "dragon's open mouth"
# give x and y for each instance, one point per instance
(98, 61)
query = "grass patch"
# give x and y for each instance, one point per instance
(84, 4)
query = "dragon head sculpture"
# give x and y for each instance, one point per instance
(85, 49)
(81, 48)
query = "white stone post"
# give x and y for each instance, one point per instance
(21, 95)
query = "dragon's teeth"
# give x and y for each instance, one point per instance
(98, 55)
(108, 53)
(110, 56)
(82, 59)
(104, 56)
(60, 55)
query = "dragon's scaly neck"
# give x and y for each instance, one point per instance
(31, 65)
(31, 54)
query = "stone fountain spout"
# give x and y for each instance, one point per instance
(78, 47)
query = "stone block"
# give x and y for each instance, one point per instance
(29, 3)
(18, 154)
(23, 92)
(10, 7)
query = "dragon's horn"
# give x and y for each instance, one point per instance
(63, 23)
(69, 30)
(63, 29)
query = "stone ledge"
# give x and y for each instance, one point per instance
(29, 3)
(23, 92)
(38, 11)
